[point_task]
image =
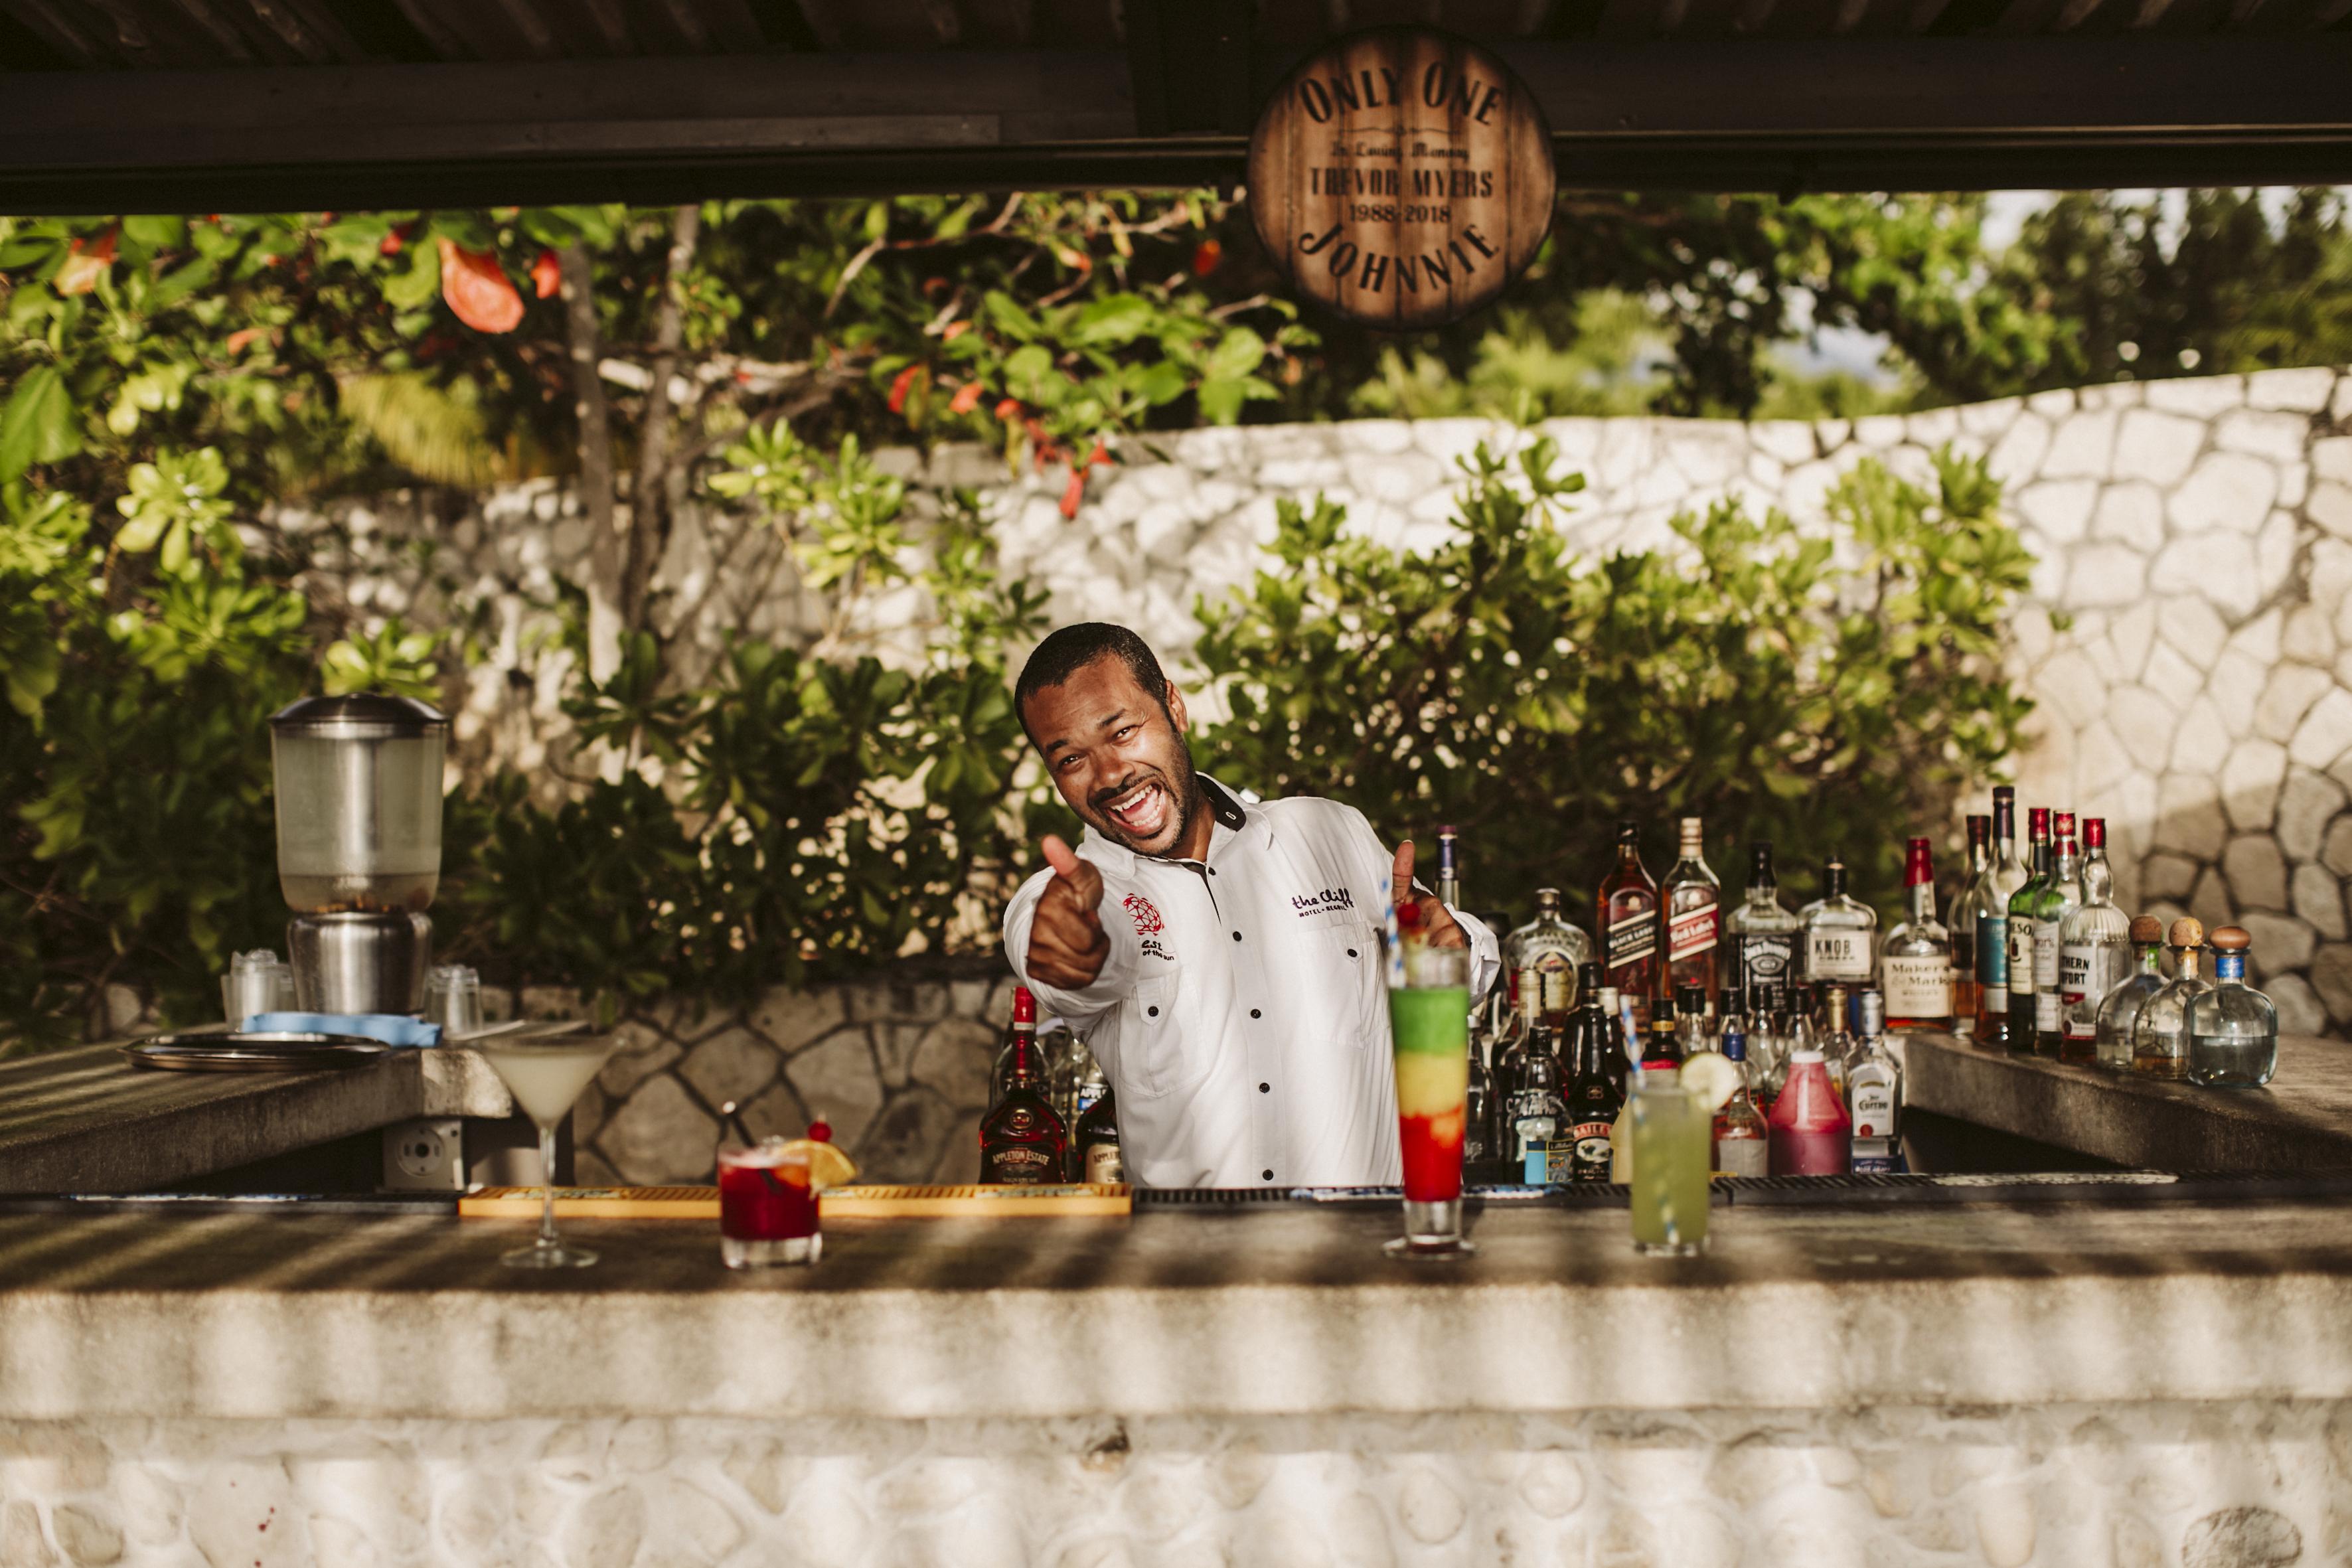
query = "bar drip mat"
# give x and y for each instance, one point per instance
(862, 1202)
(2118, 1189)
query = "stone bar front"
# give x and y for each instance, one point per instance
(2138, 1382)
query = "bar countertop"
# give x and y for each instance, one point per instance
(1271, 1308)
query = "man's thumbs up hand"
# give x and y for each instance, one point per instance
(1066, 941)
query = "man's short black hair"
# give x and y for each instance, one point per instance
(1072, 648)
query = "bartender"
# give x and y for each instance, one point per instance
(1221, 958)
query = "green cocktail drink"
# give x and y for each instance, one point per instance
(1673, 1143)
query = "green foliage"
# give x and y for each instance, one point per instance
(1826, 690)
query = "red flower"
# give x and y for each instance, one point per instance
(1205, 257)
(546, 275)
(1007, 407)
(903, 385)
(477, 289)
(967, 398)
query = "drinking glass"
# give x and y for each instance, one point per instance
(545, 1076)
(257, 981)
(1674, 1137)
(1431, 1026)
(767, 1206)
(453, 998)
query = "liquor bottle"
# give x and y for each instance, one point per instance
(1617, 1057)
(1763, 934)
(1809, 1123)
(1917, 968)
(2094, 951)
(1989, 898)
(1093, 1084)
(1874, 1093)
(1536, 1108)
(1023, 1027)
(1693, 896)
(1449, 868)
(1544, 954)
(1743, 1142)
(1509, 1054)
(1625, 915)
(2018, 1027)
(1663, 1046)
(1835, 1041)
(2160, 1032)
(1098, 1142)
(2232, 1028)
(2119, 1011)
(1478, 1094)
(1961, 923)
(1838, 931)
(1595, 1094)
(1021, 1140)
(2062, 895)
(1695, 1031)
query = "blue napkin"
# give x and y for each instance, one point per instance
(389, 1027)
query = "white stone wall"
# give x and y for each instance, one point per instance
(2197, 532)
(2233, 1485)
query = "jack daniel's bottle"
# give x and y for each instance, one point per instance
(1763, 935)
(1023, 1140)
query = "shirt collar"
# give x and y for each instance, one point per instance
(1228, 815)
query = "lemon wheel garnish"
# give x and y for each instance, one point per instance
(1711, 1075)
(829, 1166)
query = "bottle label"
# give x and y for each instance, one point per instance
(1591, 1142)
(1875, 1157)
(1764, 960)
(1918, 985)
(1633, 938)
(1837, 955)
(2021, 965)
(2087, 971)
(1992, 960)
(2047, 1013)
(1743, 1156)
(2229, 967)
(1018, 1164)
(1531, 1129)
(1555, 983)
(2045, 956)
(1104, 1165)
(1873, 1110)
(1694, 932)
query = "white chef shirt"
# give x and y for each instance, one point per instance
(1242, 1013)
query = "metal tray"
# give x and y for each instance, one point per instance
(260, 1052)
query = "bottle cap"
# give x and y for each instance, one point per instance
(1662, 1011)
(2145, 929)
(2231, 939)
(2095, 833)
(1588, 978)
(1628, 831)
(1025, 1006)
(2065, 825)
(1546, 897)
(1980, 829)
(1802, 1057)
(1918, 863)
(2004, 793)
(1690, 999)
(2187, 931)
(1694, 833)
(1833, 876)
(2037, 823)
(1448, 831)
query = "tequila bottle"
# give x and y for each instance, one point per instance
(1692, 895)
(1544, 954)
(2160, 1032)
(1961, 923)
(1874, 1093)
(2018, 1025)
(1988, 902)
(1763, 934)
(1917, 967)
(2094, 951)
(2062, 895)
(1839, 931)
(2232, 1028)
(2119, 1010)
(1625, 915)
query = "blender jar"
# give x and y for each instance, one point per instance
(358, 802)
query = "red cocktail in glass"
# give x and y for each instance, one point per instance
(767, 1206)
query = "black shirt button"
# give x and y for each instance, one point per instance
(1237, 936)
(1351, 952)
(1153, 1012)
(1266, 1089)
(1269, 1175)
(1213, 870)
(1254, 1013)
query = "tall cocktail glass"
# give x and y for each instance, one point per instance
(545, 1076)
(1673, 1143)
(1430, 1023)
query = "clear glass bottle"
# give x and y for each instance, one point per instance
(1537, 1107)
(2160, 1032)
(2062, 895)
(1916, 968)
(1694, 1025)
(2093, 950)
(2119, 1010)
(1449, 868)
(1478, 1094)
(1960, 924)
(1626, 920)
(1742, 1140)
(2019, 1019)
(1840, 931)
(1544, 955)
(1874, 1093)
(1835, 1040)
(1692, 895)
(2232, 1028)
(1763, 934)
(1989, 900)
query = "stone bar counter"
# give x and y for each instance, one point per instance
(2116, 1376)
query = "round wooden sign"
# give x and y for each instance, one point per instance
(1401, 178)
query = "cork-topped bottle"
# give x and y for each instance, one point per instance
(2232, 1028)
(2160, 1034)
(2119, 1009)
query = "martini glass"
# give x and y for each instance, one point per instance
(545, 1076)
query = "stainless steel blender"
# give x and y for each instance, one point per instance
(359, 848)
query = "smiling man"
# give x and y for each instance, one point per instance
(1223, 958)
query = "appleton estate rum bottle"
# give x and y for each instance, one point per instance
(1625, 919)
(1023, 1142)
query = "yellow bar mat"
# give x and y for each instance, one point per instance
(841, 1202)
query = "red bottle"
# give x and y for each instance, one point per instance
(1022, 1140)
(1625, 924)
(1812, 1135)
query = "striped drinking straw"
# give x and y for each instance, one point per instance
(1395, 936)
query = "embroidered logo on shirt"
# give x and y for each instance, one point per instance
(1145, 918)
(1330, 900)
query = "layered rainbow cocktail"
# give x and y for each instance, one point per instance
(1430, 1027)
